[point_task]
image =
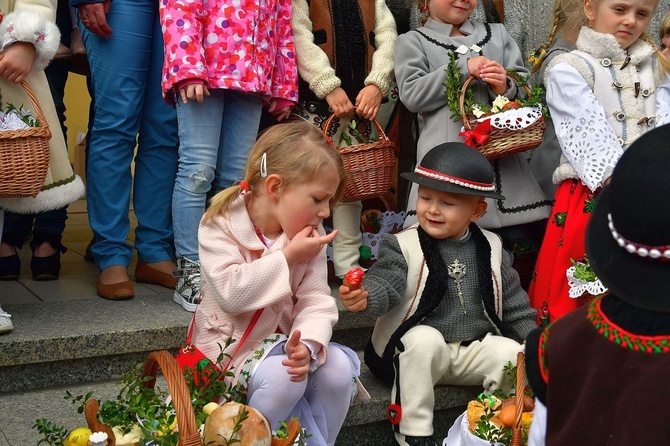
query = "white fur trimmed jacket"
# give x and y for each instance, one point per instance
(33, 21)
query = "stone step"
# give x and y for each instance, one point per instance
(366, 423)
(78, 341)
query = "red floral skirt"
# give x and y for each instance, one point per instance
(563, 240)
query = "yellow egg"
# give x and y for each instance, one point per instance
(78, 437)
(526, 419)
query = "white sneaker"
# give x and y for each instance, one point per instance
(187, 293)
(6, 323)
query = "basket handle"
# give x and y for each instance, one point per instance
(326, 128)
(91, 411)
(466, 84)
(181, 399)
(517, 433)
(36, 105)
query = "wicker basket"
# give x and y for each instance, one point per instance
(503, 142)
(24, 156)
(371, 167)
(181, 399)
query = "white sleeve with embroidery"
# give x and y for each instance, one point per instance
(587, 139)
(663, 102)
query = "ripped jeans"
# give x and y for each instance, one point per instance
(215, 137)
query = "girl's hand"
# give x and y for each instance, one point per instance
(490, 72)
(280, 114)
(339, 102)
(194, 91)
(299, 358)
(354, 300)
(306, 245)
(368, 101)
(16, 61)
(94, 17)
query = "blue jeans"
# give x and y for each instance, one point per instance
(215, 137)
(126, 78)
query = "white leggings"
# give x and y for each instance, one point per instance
(320, 402)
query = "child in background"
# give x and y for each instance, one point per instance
(29, 39)
(562, 37)
(664, 35)
(222, 63)
(605, 359)
(616, 75)
(345, 61)
(263, 253)
(485, 51)
(449, 304)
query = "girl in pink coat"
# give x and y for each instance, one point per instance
(224, 60)
(263, 258)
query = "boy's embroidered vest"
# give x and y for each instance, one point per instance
(417, 272)
(344, 30)
(622, 109)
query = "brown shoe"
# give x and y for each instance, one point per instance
(146, 274)
(116, 291)
(63, 52)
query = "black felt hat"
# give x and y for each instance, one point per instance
(456, 168)
(628, 236)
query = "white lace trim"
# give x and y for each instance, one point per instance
(515, 119)
(579, 286)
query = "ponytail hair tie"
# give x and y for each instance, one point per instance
(244, 188)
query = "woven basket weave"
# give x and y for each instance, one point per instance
(503, 142)
(24, 155)
(181, 399)
(371, 167)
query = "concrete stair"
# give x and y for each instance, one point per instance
(84, 345)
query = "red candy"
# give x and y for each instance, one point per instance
(354, 278)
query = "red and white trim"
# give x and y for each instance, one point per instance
(661, 253)
(488, 187)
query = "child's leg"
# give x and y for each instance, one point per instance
(329, 393)
(346, 246)
(272, 392)
(420, 364)
(482, 363)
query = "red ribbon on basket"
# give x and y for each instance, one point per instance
(477, 136)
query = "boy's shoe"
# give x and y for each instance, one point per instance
(401, 440)
(6, 323)
(187, 292)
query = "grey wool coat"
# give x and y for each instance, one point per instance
(420, 65)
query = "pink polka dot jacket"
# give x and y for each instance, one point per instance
(244, 45)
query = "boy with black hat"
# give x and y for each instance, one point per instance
(610, 359)
(450, 307)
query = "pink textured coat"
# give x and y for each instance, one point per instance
(239, 275)
(244, 45)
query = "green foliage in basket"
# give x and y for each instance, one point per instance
(358, 135)
(452, 85)
(25, 115)
(53, 434)
(487, 430)
(136, 402)
(583, 270)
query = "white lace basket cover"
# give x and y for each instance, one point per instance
(515, 119)
(578, 286)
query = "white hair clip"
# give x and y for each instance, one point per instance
(264, 165)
